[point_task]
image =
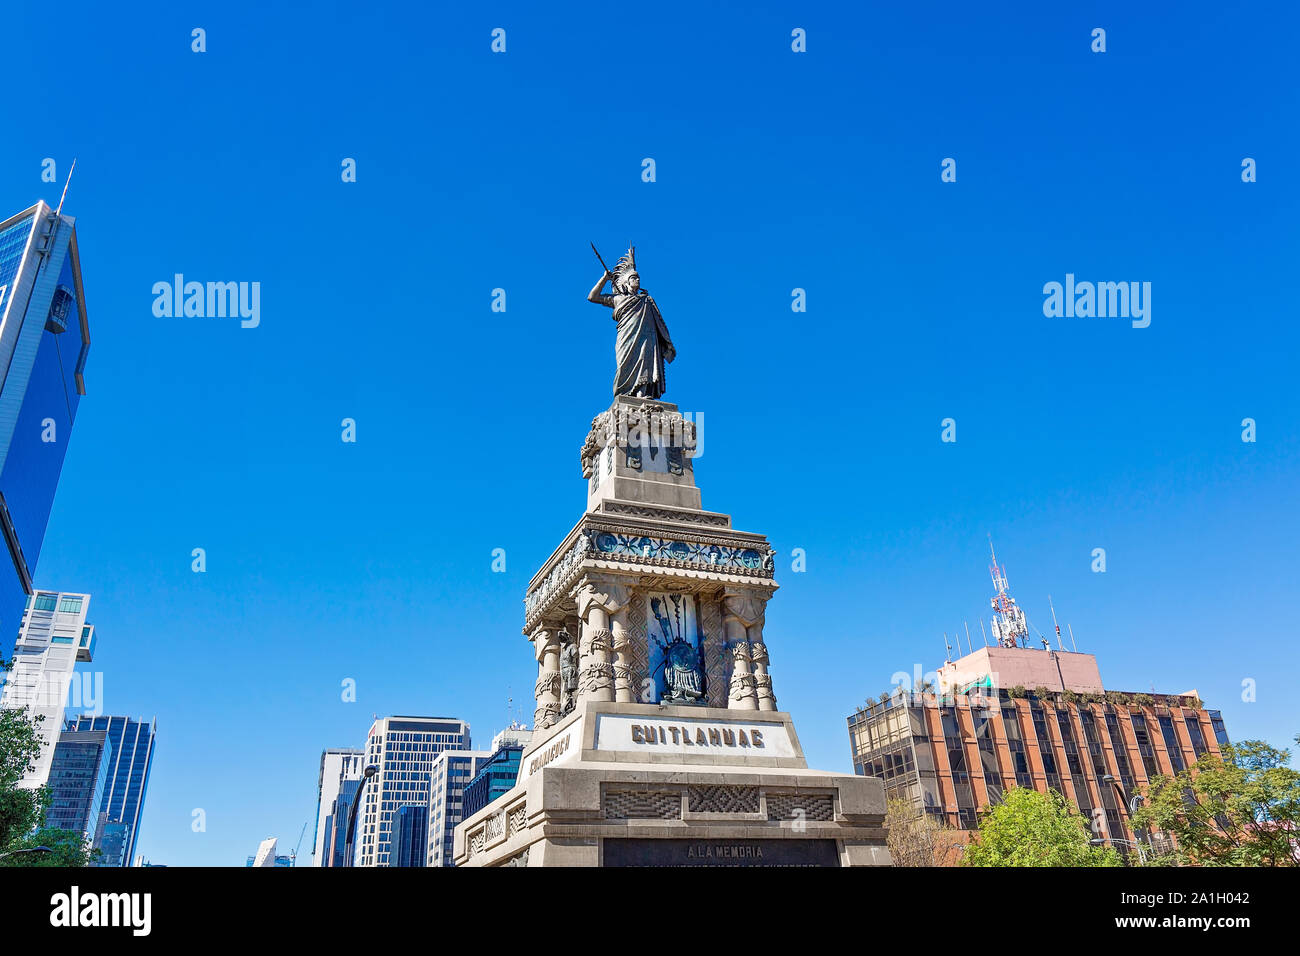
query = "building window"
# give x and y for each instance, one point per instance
(70, 605)
(1197, 738)
(45, 602)
(1220, 732)
(1171, 743)
(1144, 745)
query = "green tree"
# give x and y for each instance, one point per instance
(21, 809)
(1241, 809)
(1029, 828)
(50, 847)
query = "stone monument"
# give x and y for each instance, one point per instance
(657, 740)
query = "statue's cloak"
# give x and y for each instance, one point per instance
(642, 346)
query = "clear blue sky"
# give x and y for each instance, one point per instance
(775, 170)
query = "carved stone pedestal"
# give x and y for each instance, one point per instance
(635, 785)
(657, 739)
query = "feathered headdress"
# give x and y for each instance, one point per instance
(626, 266)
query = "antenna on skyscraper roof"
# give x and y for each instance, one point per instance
(1071, 630)
(1057, 626)
(969, 645)
(66, 185)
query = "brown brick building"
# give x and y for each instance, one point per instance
(1004, 717)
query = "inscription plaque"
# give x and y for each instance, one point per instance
(634, 852)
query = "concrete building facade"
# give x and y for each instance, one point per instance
(53, 639)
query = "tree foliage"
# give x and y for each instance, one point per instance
(1029, 828)
(50, 847)
(21, 809)
(1241, 809)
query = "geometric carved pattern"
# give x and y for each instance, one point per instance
(714, 655)
(637, 653)
(819, 808)
(518, 817)
(671, 514)
(643, 805)
(495, 826)
(722, 799)
(476, 843)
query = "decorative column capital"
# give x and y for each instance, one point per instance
(545, 639)
(605, 591)
(746, 605)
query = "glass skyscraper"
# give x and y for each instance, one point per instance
(128, 781)
(410, 834)
(44, 339)
(78, 781)
(496, 775)
(335, 838)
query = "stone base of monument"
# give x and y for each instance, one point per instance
(622, 784)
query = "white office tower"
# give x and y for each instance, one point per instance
(404, 749)
(337, 764)
(516, 735)
(53, 637)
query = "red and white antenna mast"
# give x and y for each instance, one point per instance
(1008, 625)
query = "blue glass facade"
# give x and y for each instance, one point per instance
(78, 781)
(44, 340)
(129, 777)
(336, 824)
(113, 842)
(494, 778)
(410, 836)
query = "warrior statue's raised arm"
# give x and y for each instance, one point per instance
(642, 346)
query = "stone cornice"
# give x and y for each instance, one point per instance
(601, 543)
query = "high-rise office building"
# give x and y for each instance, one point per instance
(54, 636)
(44, 339)
(497, 774)
(133, 743)
(335, 840)
(451, 772)
(78, 781)
(336, 766)
(410, 835)
(1003, 717)
(404, 750)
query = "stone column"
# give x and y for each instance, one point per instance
(599, 597)
(546, 648)
(737, 607)
(622, 643)
(762, 680)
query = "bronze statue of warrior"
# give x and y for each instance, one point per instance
(643, 346)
